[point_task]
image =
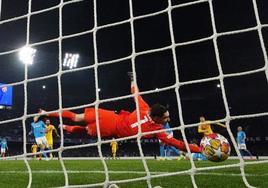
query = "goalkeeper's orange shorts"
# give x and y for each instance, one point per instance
(107, 122)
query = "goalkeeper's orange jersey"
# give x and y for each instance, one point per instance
(126, 124)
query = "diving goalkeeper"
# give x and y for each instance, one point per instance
(125, 123)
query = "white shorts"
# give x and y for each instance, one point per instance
(41, 141)
(3, 150)
(242, 146)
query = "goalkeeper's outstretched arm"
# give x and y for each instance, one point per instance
(142, 104)
(177, 143)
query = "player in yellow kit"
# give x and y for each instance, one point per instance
(114, 147)
(34, 149)
(49, 134)
(205, 126)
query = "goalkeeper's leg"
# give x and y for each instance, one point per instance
(65, 114)
(74, 128)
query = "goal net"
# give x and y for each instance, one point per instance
(201, 57)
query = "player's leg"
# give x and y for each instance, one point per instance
(74, 128)
(65, 114)
(162, 150)
(42, 145)
(50, 146)
(38, 142)
(107, 122)
(34, 156)
(40, 155)
(42, 149)
(175, 150)
(242, 152)
(3, 152)
(168, 152)
(114, 153)
(88, 116)
(248, 152)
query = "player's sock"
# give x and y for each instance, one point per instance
(44, 154)
(162, 150)
(65, 114)
(74, 129)
(168, 152)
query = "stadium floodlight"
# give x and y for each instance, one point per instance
(70, 60)
(26, 55)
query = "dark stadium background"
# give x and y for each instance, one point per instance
(238, 53)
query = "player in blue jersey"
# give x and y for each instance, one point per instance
(38, 129)
(168, 148)
(241, 142)
(4, 147)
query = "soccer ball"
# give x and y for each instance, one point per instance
(215, 147)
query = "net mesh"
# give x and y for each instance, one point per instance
(178, 84)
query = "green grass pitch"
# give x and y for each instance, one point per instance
(49, 173)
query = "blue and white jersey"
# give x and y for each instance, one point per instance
(3, 144)
(241, 137)
(38, 129)
(166, 126)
